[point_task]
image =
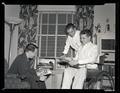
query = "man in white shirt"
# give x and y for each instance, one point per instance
(85, 58)
(73, 38)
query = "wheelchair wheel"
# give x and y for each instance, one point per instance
(103, 81)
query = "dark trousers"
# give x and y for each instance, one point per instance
(36, 84)
(41, 85)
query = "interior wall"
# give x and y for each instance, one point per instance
(101, 13)
(56, 7)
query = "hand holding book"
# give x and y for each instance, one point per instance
(68, 61)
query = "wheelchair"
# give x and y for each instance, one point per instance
(99, 79)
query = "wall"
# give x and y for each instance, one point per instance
(101, 13)
(11, 11)
(56, 7)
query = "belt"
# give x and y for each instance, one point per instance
(91, 66)
(78, 66)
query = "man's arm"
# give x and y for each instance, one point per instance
(26, 72)
(13, 68)
(67, 46)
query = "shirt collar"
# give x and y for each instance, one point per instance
(25, 56)
(87, 44)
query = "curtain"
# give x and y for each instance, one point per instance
(28, 28)
(84, 17)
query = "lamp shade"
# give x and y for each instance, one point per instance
(13, 20)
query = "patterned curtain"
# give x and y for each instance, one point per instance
(84, 17)
(28, 28)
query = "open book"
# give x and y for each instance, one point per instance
(43, 72)
(65, 61)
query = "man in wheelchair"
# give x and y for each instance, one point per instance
(85, 58)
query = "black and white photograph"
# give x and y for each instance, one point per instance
(59, 46)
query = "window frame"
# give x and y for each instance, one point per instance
(39, 31)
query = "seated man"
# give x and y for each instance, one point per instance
(85, 58)
(22, 67)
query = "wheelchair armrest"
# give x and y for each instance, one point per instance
(101, 61)
(102, 58)
(99, 66)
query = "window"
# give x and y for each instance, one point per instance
(51, 35)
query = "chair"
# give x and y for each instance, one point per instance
(12, 81)
(96, 78)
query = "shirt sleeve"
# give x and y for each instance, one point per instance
(25, 70)
(13, 68)
(67, 46)
(76, 56)
(92, 56)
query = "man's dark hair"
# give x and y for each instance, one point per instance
(68, 26)
(31, 47)
(87, 32)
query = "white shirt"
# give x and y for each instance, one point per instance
(74, 42)
(88, 54)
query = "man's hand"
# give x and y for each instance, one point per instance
(43, 78)
(63, 56)
(66, 59)
(73, 62)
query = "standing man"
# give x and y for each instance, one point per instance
(85, 58)
(73, 39)
(22, 67)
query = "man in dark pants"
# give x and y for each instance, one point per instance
(22, 67)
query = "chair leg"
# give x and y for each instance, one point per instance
(72, 82)
(62, 81)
